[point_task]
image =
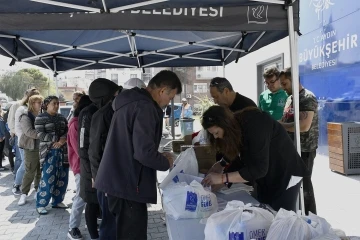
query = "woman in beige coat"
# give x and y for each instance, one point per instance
(30, 143)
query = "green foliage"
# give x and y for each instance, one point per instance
(204, 102)
(14, 84)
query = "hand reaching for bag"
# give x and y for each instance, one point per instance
(212, 179)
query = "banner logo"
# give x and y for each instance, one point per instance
(321, 5)
(258, 14)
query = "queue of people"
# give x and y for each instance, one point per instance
(111, 145)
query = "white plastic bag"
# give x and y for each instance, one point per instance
(201, 138)
(289, 225)
(186, 178)
(186, 162)
(189, 201)
(329, 236)
(239, 222)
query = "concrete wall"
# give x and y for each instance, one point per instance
(243, 75)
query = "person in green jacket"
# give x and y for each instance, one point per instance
(274, 98)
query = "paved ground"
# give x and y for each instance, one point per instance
(25, 223)
(337, 197)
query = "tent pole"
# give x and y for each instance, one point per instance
(293, 37)
(56, 84)
(68, 5)
(8, 52)
(223, 61)
(55, 77)
(172, 115)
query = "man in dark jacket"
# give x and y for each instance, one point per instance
(100, 125)
(101, 91)
(127, 172)
(223, 94)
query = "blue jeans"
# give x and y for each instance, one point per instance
(18, 158)
(54, 180)
(108, 223)
(21, 170)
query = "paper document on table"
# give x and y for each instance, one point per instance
(293, 181)
(236, 188)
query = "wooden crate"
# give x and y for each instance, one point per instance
(176, 145)
(336, 151)
(205, 155)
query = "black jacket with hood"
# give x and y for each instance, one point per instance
(131, 157)
(100, 125)
(101, 91)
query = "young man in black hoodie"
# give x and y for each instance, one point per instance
(100, 125)
(127, 172)
(101, 91)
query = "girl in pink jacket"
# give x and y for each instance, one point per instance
(74, 161)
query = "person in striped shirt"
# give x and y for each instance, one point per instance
(52, 129)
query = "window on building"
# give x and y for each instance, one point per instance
(146, 77)
(133, 75)
(200, 88)
(114, 77)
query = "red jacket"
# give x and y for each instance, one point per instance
(72, 142)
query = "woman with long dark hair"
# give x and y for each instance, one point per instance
(257, 149)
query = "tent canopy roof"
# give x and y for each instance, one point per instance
(137, 33)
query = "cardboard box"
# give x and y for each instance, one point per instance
(205, 155)
(188, 140)
(176, 145)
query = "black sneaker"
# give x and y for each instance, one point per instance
(74, 234)
(16, 190)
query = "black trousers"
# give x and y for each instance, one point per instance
(91, 213)
(309, 196)
(2, 145)
(131, 218)
(288, 199)
(107, 229)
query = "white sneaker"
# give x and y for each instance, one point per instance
(22, 200)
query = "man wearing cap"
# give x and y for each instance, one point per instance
(100, 125)
(101, 92)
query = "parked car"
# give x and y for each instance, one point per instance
(6, 106)
(65, 110)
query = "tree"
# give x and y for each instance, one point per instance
(39, 81)
(14, 84)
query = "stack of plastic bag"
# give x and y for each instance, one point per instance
(182, 200)
(239, 222)
(289, 225)
(186, 162)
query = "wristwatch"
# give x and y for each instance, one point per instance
(223, 162)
